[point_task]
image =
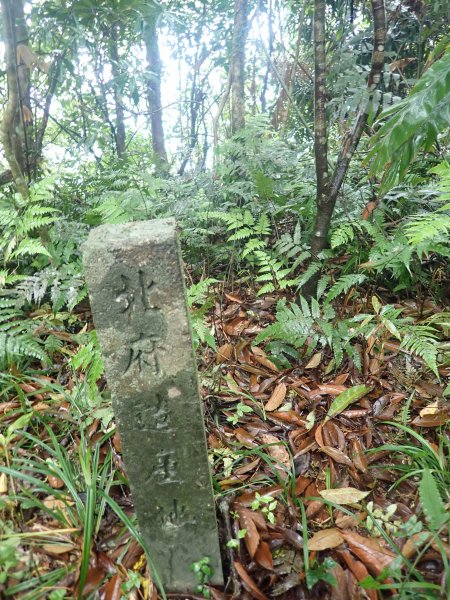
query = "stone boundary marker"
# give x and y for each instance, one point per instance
(137, 295)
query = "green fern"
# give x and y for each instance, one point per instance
(199, 302)
(412, 124)
(88, 359)
(308, 326)
(17, 339)
(432, 503)
(343, 285)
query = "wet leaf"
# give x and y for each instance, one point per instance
(252, 537)
(263, 556)
(60, 548)
(248, 582)
(325, 539)
(358, 457)
(277, 397)
(345, 399)
(369, 551)
(345, 495)
(435, 420)
(224, 353)
(278, 452)
(337, 455)
(112, 589)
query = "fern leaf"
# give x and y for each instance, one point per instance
(431, 501)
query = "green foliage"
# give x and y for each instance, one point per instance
(203, 573)
(432, 503)
(22, 222)
(88, 359)
(412, 124)
(199, 302)
(309, 326)
(18, 340)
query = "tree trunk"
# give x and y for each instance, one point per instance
(118, 105)
(12, 126)
(237, 67)
(154, 67)
(320, 126)
(327, 192)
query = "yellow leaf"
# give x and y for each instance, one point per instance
(315, 361)
(346, 495)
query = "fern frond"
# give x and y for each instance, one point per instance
(344, 284)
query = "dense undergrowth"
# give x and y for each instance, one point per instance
(326, 417)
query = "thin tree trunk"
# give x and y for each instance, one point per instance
(154, 67)
(237, 67)
(118, 105)
(327, 192)
(269, 61)
(320, 118)
(11, 125)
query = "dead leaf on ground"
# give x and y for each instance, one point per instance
(337, 455)
(224, 353)
(369, 551)
(345, 495)
(248, 582)
(315, 361)
(435, 420)
(112, 588)
(277, 451)
(263, 556)
(252, 537)
(59, 548)
(358, 569)
(277, 397)
(325, 539)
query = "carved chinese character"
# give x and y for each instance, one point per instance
(165, 468)
(154, 416)
(134, 289)
(176, 516)
(143, 352)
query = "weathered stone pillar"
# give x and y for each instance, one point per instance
(137, 295)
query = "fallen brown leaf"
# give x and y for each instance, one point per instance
(263, 556)
(252, 537)
(248, 582)
(369, 551)
(276, 398)
(325, 539)
(337, 455)
(112, 588)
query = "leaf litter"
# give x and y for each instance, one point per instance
(306, 448)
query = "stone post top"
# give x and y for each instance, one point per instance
(156, 230)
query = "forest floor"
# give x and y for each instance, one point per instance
(321, 476)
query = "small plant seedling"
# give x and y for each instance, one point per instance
(234, 543)
(203, 572)
(267, 505)
(241, 410)
(383, 518)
